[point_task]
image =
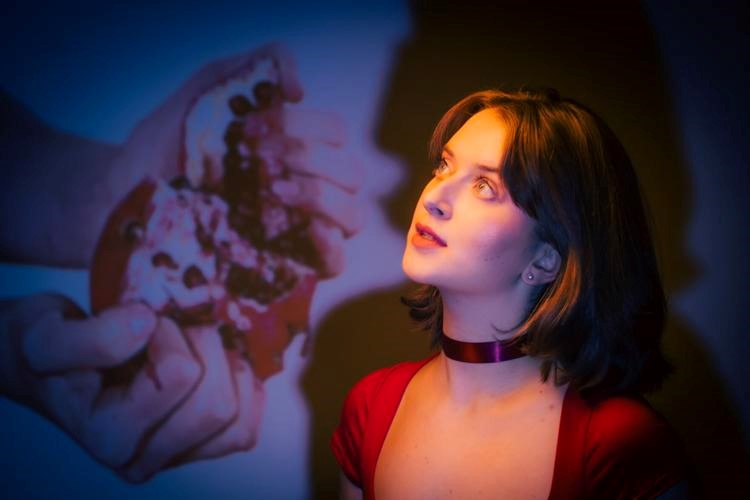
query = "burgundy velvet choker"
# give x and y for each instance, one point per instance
(481, 352)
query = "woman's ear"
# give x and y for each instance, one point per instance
(544, 267)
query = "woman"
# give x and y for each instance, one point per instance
(542, 289)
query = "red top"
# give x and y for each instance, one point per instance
(617, 448)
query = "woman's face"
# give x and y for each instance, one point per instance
(482, 241)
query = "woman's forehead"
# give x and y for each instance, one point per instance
(480, 140)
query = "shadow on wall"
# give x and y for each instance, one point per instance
(603, 55)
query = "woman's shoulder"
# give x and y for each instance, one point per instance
(628, 442)
(373, 399)
(383, 379)
(624, 422)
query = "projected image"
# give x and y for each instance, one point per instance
(236, 241)
(226, 206)
(239, 238)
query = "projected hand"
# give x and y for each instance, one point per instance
(154, 148)
(324, 178)
(52, 360)
(58, 193)
(220, 416)
(190, 398)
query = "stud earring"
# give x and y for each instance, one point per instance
(530, 276)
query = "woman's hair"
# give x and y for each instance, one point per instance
(598, 325)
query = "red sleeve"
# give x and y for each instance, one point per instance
(346, 442)
(631, 451)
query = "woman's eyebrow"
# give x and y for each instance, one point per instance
(495, 170)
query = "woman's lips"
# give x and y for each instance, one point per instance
(424, 236)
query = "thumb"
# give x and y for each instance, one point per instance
(54, 343)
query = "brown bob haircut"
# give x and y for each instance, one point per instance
(599, 324)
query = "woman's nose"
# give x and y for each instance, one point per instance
(436, 207)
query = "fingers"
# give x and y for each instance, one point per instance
(68, 399)
(332, 164)
(341, 208)
(112, 426)
(208, 409)
(54, 343)
(329, 243)
(314, 126)
(242, 433)
(327, 177)
(321, 136)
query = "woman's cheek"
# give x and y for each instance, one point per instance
(490, 245)
(496, 258)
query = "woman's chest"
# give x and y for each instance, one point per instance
(434, 454)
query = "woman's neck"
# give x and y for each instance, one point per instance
(471, 384)
(471, 319)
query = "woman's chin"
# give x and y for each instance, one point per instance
(422, 270)
(422, 278)
(410, 268)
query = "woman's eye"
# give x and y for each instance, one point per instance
(484, 187)
(441, 169)
(481, 184)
